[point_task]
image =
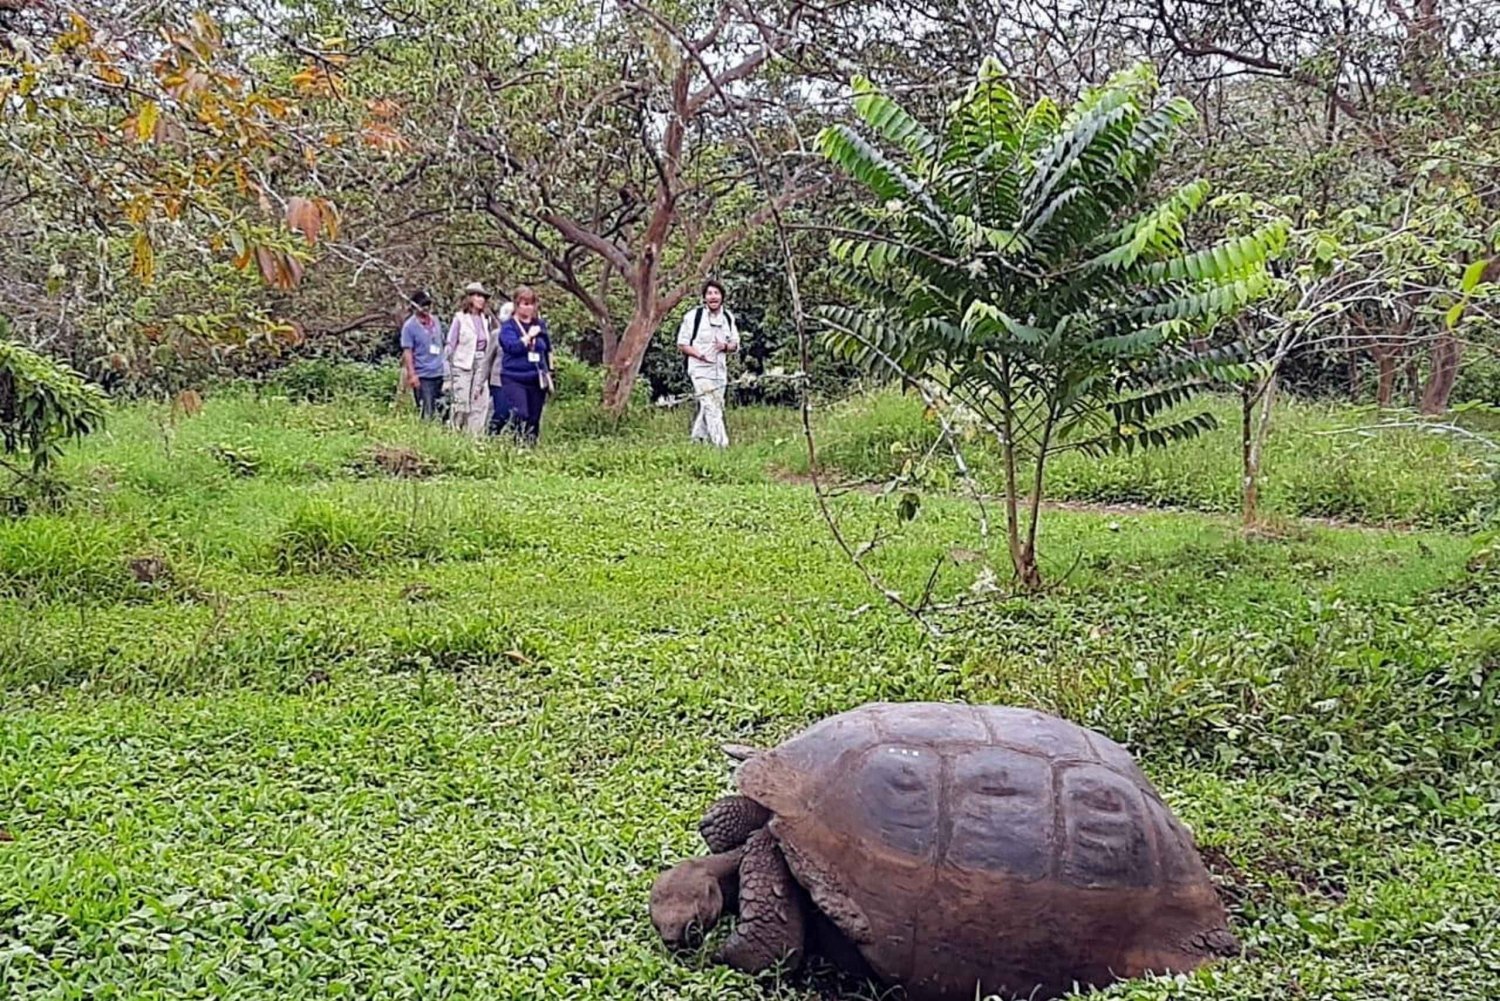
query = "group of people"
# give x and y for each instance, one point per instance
(494, 364)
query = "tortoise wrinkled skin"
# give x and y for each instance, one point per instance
(980, 847)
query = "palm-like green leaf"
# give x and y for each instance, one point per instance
(1017, 257)
(872, 168)
(892, 122)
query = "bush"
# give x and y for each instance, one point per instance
(1479, 380)
(42, 404)
(322, 381)
(73, 559)
(575, 378)
(323, 536)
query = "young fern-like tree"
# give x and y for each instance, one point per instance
(1016, 259)
(42, 405)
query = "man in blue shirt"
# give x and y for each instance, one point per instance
(422, 354)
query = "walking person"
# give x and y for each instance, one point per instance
(422, 354)
(469, 338)
(525, 368)
(707, 336)
(493, 357)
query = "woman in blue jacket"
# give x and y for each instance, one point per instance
(525, 369)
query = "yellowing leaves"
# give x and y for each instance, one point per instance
(318, 80)
(109, 73)
(80, 34)
(187, 83)
(383, 107)
(278, 269)
(139, 208)
(311, 216)
(144, 124)
(143, 258)
(384, 137)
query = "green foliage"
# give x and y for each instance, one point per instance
(1479, 381)
(1316, 465)
(459, 769)
(1015, 258)
(319, 380)
(65, 559)
(322, 536)
(42, 404)
(575, 379)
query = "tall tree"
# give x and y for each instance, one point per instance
(608, 150)
(1015, 257)
(134, 139)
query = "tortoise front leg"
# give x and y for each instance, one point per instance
(772, 920)
(730, 820)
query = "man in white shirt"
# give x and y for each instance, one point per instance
(708, 333)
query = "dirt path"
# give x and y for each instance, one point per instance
(1275, 522)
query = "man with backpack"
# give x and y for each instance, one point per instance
(707, 335)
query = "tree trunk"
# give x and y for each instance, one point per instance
(622, 369)
(1019, 558)
(1026, 568)
(1027, 571)
(1249, 479)
(609, 341)
(1413, 380)
(1254, 447)
(1385, 368)
(1443, 375)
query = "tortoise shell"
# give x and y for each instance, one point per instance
(958, 846)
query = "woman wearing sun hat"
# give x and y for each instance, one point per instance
(469, 339)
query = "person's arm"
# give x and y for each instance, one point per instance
(451, 344)
(407, 364)
(491, 352)
(733, 343)
(685, 338)
(511, 341)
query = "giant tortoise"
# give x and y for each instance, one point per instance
(949, 849)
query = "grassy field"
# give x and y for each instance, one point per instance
(280, 724)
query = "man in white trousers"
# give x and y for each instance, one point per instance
(707, 335)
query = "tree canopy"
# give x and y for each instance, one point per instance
(192, 192)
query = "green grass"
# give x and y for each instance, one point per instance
(1319, 462)
(433, 737)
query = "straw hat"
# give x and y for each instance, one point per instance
(476, 288)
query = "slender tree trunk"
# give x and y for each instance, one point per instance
(1255, 446)
(1385, 378)
(1030, 573)
(1353, 369)
(1444, 374)
(1249, 478)
(1012, 496)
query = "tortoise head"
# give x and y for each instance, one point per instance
(687, 901)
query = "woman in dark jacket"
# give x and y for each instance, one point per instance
(525, 366)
